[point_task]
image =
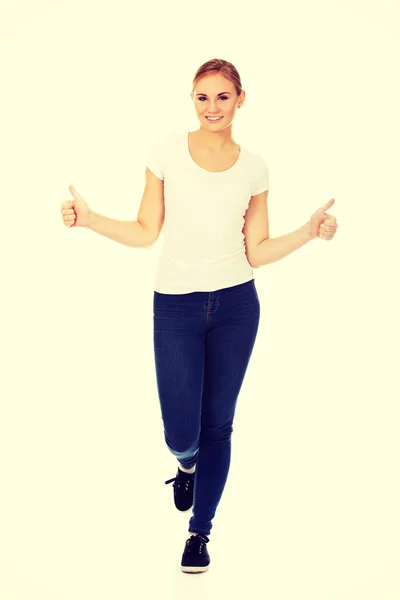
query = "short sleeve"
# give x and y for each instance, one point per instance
(155, 160)
(261, 182)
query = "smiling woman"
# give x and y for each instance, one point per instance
(212, 195)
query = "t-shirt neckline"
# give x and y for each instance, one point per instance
(206, 170)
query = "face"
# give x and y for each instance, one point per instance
(209, 101)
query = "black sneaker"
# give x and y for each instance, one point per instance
(183, 490)
(195, 557)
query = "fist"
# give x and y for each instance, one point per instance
(322, 225)
(75, 212)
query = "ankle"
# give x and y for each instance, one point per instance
(192, 470)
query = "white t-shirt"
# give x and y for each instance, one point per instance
(204, 248)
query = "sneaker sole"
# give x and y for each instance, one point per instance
(194, 569)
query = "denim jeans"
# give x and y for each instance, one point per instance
(203, 342)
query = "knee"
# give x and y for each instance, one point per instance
(217, 433)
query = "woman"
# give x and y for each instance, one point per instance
(211, 195)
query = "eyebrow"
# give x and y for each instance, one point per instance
(218, 94)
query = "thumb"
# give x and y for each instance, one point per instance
(74, 192)
(326, 206)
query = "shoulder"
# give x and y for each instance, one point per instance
(255, 162)
(257, 171)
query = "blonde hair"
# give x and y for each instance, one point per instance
(218, 65)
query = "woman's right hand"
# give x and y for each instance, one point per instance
(75, 213)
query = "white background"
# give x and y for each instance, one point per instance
(310, 509)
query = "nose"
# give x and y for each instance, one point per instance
(213, 113)
(212, 110)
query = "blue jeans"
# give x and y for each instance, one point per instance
(202, 346)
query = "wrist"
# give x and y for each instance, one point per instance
(307, 232)
(90, 219)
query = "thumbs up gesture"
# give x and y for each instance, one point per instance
(75, 212)
(322, 225)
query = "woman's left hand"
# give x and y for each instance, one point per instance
(322, 225)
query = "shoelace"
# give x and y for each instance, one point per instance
(187, 480)
(191, 544)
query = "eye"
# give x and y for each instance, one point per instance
(221, 98)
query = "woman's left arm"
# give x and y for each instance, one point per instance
(262, 250)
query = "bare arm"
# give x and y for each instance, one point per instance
(146, 229)
(129, 233)
(273, 249)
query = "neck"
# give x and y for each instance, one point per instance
(219, 140)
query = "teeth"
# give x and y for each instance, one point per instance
(213, 118)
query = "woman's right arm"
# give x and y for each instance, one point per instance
(138, 234)
(128, 233)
